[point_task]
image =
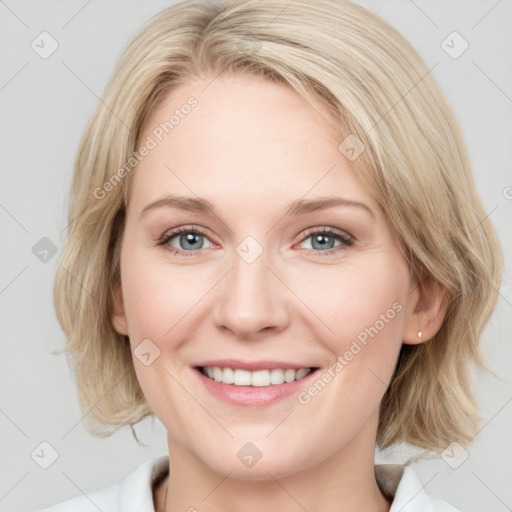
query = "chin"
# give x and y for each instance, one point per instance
(250, 463)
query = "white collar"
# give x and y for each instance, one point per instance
(135, 492)
(408, 494)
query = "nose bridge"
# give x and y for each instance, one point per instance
(251, 299)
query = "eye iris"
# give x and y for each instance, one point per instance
(190, 239)
(323, 240)
(193, 240)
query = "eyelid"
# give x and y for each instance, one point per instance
(328, 230)
(189, 228)
(346, 238)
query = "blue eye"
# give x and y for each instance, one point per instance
(188, 241)
(324, 240)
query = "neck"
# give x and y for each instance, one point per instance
(343, 482)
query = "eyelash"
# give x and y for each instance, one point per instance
(345, 239)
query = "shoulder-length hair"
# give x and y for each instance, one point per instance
(414, 161)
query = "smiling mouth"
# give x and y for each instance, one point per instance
(259, 378)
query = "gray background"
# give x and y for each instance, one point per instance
(45, 104)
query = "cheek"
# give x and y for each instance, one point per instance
(357, 298)
(362, 312)
(158, 297)
(159, 301)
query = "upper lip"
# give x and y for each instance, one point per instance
(251, 365)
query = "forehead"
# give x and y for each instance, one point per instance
(245, 140)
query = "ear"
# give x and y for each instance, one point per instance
(426, 312)
(117, 313)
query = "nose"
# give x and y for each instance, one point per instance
(252, 300)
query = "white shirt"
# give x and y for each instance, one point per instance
(135, 492)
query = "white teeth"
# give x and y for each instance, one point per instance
(276, 376)
(242, 378)
(301, 373)
(289, 375)
(217, 374)
(228, 376)
(259, 378)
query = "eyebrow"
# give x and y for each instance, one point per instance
(296, 208)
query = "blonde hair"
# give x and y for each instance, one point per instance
(415, 162)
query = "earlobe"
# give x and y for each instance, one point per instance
(117, 313)
(428, 311)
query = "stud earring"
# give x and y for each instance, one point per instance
(420, 334)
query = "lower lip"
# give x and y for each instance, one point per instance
(253, 396)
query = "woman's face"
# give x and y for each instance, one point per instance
(251, 246)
